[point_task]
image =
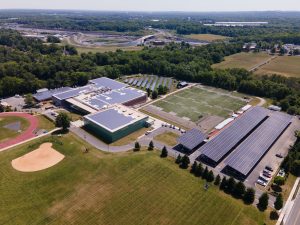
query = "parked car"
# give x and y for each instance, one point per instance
(267, 175)
(148, 132)
(265, 179)
(267, 172)
(279, 155)
(261, 182)
(269, 168)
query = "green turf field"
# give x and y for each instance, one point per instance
(197, 102)
(101, 188)
(6, 133)
(288, 66)
(207, 37)
(243, 60)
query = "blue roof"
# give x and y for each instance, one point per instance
(108, 83)
(46, 95)
(110, 119)
(192, 138)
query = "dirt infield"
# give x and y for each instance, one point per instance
(42, 158)
(25, 135)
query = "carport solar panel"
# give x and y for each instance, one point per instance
(224, 142)
(250, 151)
(192, 138)
(154, 84)
(145, 82)
(148, 85)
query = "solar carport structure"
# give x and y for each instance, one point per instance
(246, 156)
(214, 151)
(191, 139)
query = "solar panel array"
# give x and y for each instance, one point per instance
(154, 84)
(225, 141)
(108, 83)
(145, 82)
(110, 118)
(169, 84)
(148, 85)
(192, 138)
(165, 82)
(45, 95)
(140, 82)
(74, 92)
(160, 81)
(250, 151)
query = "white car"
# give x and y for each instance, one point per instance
(261, 182)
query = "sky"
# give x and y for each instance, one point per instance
(155, 5)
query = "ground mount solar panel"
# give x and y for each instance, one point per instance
(248, 154)
(214, 151)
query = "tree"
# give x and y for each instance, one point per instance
(210, 176)
(178, 159)
(205, 173)
(249, 196)
(164, 152)
(29, 101)
(217, 180)
(154, 94)
(278, 204)
(230, 185)
(263, 201)
(185, 161)
(279, 180)
(194, 168)
(199, 170)
(223, 184)
(137, 147)
(295, 169)
(151, 146)
(62, 120)
(148, 92)
(239, 190)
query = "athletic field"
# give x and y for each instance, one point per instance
(207, 37)
(198, 102)
(102, 188)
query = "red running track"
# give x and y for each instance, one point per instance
(25, 135)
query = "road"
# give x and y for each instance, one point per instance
(294, 215)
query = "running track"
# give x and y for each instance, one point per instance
(25, 135)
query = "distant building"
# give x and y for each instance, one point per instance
(182, 84)
(249, 46)
(236, 24)
(274, 108)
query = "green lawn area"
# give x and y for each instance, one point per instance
(197, 102)
(101, 188)
(6, 133)
(288, 66)
(168, 138)
(206, 37)
(45, 123)
(243, 60)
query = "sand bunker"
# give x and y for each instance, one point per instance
(42, 158)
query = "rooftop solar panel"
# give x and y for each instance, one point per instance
(192, 138)
(250, 151)
(224, 142)
(110, 119)
(154, 84)
(45, 95)
(149, 83)
(74, 92)
(145, 82)
(108, 83)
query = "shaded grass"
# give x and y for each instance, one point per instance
(103, 188)
(242, 60)
(5, 133)
(168, 138)
(45, 123)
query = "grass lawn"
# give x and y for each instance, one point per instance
(130, 138)
(103, 188)
(197, 102)
(107, 49)
(6, 133)
(288, 66)
(45, 123)
(168, 138)
(243, 60)
(206, 37)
